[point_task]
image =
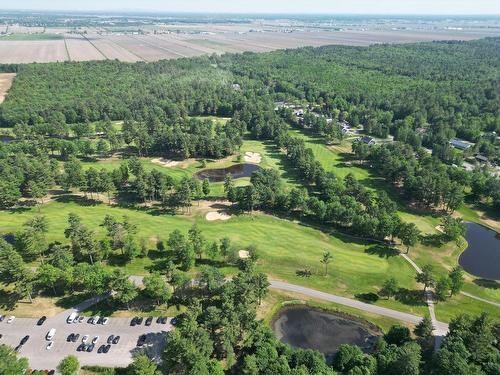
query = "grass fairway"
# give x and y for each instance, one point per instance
(284, 247)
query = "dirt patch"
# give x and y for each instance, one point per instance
(243, 254)
(439, 228)
(6, 80)
(253, 157)
(217, 215)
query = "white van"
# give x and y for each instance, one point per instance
(72, 317)
(51, 334)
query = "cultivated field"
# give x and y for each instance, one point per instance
(5, 84)
(174, 41)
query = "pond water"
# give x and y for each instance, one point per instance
(237, 171)
(6, 138)
(308, 328)
(482, 256)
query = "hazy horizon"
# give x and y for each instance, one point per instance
(323, 7)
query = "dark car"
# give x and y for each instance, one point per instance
(142, 340)
(70, 337)
(80, 347)
(149, 321)
(76, 336)
(173, 321)
(139, 320)
(133, 322)
(164, 320)
(23, 341)
(116, 340)
(106, 348)
(159, 319)
(41, 320)
(18, 347)
(99, 321)
(90, 347)
(101, 349)
(90, 320)
(110, 339)
(51, 372)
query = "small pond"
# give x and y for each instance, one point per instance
(6, 138)
(482, 256)
(308, 328)
(237, 171)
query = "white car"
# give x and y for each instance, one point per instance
(85, 339)
(50, 345)
(95, 339)
(11, 319)
(95, 319)
(105, 321)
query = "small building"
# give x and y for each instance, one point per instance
(460, 144)
(299, 112)
(481, 158)
(367, 140)
(236, 87)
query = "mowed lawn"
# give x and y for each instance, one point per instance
(284, 247)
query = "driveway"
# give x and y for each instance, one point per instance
(120, 355)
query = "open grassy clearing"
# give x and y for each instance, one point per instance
(276, 300)
(284, 247)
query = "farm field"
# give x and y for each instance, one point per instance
(6, 80)
(175, 41)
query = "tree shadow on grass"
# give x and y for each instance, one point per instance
(411, 297)
(72, 300)
(8, 300)
(489, 284)
(432, 240)
(382, 251)
(81, 201)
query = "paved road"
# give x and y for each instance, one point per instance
(119, 354)
(405, 317)
(480, 299)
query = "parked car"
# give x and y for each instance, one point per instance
(90, 347)
(17, 348)
(41, 320)
(50, 335)
(101, 348)
(106, 348)
(164, 320)
(76, 336)
(71, 317)
(133, 322)
(51, 372)
(95, 339)
(24, 339)
(116, 340)
(139, 320)
(80, 347)
(76, 320)
(110, 339)
(105, 321)
(11, 319)
(2, 317)
(142, 340)
(95, 319)
(149, 321)
(99, 321)
(81, 318)
(50, 345)
(173, 321)
(159, 319)
(85, 339)
(70, 337)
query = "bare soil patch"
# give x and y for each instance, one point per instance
(167, 163)
(253, 157)
(6, 80)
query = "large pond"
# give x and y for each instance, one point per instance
(237, 171)
(482, 256)
(308, 328)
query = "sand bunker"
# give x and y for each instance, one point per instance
(243, 254)
(166, 162)
(253, 157)
(214, 215)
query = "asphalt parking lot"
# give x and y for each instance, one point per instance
(120, 355)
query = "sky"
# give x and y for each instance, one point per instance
(446, 7)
